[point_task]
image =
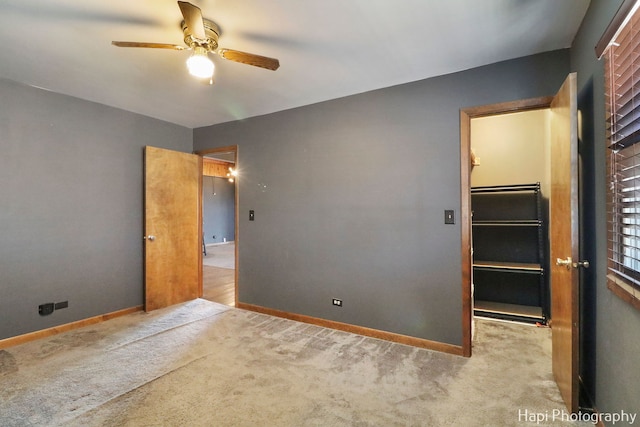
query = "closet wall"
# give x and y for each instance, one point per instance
(512, 149)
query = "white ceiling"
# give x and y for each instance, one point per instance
(327, 48)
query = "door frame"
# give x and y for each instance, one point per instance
(227, 149)
(466, 114)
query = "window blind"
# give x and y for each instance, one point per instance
(622, 96)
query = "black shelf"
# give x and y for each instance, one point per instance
(506, 188)
(509, 254)
(509, 266)
(508, 223)
(497, 310)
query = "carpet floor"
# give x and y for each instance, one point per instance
(206, 364)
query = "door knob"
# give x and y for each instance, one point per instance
(566, 262)
(149, 237)
(569, 263)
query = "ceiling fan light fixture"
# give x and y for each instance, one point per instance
(201, 35)
(199, 64)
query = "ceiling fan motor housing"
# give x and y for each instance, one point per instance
(211, 30)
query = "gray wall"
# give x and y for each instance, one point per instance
(218, 210)
(71, 205)
(349, 197)
(612, 327)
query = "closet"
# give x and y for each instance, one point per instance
(509, 205)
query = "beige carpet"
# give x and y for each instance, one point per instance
(205, 364)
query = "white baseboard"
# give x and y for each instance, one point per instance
(219, 243)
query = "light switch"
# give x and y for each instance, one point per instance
(449, 217)
(252, 215)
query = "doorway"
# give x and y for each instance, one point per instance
(219, 225)
(470, 161)
(510, 187)
(563, 230)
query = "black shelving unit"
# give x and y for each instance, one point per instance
(509, 252)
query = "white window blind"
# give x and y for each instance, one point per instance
(622, 95)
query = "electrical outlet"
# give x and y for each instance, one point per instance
(46, 309)
(337, 302)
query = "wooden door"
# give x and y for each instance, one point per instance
(173, 257)
(564, 241)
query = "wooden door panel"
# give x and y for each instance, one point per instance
(564, 240)
(173, 256)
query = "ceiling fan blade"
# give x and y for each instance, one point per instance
(250, 59)
(151, 45)
(193, 19)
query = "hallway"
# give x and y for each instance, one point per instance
(218, 274)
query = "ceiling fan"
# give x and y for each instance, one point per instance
(201, 36)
